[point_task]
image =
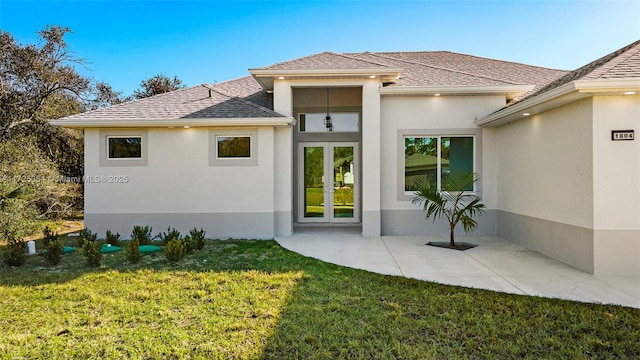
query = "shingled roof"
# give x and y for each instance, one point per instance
(615, 73)
(325, 60)
(246, 98)
(431, 68)
(621, 64)
(246, 88)
(218, 101)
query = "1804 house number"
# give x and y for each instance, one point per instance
(621, 135)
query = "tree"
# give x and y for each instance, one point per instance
(33, 77)
(37, 83)
(453, 202)
(106, 96)
(157, 84)
(29, 178)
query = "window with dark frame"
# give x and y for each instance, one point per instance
(233, 147)
(430, 159)
(124, 147)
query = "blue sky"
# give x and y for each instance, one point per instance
(208, 41)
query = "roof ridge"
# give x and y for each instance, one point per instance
(473, 56)
(446, 69)
(234, 97)
(228, 81)
(223, 93)
(359, 59)
(296, 59)
(623, 54)
(137, 101)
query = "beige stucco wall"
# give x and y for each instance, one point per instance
(179, 180)
(430, 115)
(545, 183)
(545, 165)
(435, 113)
(567, 190)
(616, 171)
(616, 182)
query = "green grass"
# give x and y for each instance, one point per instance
(256, 300)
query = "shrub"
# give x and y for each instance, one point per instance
(197, 236)
(189, 244)
(142, 234)
(86, 235)
(174, 251)
(16, 219)
(171, 234)
(113, 239)
(133, 251)
(48, 235)
(14, 253)
(54, 250)
(91, 251)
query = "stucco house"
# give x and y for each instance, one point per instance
(335, 139)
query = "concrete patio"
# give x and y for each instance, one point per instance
(496, 264)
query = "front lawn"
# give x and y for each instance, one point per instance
(254, 299)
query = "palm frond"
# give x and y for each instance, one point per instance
(454, 201)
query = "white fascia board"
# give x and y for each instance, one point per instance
(515, 112)
(266, 77)
(144, 123)
(455, 90)
(325, 72)
(559, 96)
(608, 85)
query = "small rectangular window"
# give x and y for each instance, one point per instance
(234, 147)
(124, 147)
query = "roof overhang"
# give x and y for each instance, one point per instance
(510, 91)
(191, 122)
(266, 77)
(562, 95)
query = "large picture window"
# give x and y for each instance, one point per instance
(430, 159)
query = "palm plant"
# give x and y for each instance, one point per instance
(453, 202)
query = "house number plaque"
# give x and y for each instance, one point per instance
(621, 135)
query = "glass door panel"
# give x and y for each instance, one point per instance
(328, 182)
(314, 193)
(343, 182)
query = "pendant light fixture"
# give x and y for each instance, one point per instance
(328, 122)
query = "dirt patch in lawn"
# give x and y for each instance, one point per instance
(67, 226)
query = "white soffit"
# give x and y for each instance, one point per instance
(509, 90)
(559, 96)
(266, 77)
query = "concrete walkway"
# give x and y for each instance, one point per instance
(496, 264)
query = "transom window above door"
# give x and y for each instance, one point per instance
(342, 122)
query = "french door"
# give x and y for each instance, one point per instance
(328, 189)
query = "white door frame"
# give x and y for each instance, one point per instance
(328, 188)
